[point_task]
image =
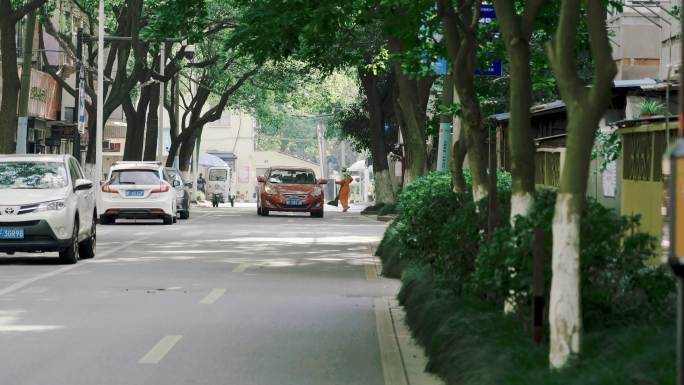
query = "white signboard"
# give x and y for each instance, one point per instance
(610, 180)
(81, 102)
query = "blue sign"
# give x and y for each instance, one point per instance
(487, 16)
(440, 67)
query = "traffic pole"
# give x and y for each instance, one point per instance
(22, 124)
(77, 99)
(100, 94)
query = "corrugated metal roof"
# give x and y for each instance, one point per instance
(634, 83)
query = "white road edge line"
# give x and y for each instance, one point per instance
(390, 355)
(241, 268)
(213, 296)
(160, 350)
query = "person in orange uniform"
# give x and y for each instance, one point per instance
(344, 189)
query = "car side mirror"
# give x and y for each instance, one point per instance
(82, 184)
(176, 183)
(261, 179)
(322, 181)
(188, 184)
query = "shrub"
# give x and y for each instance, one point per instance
(617, 284)
(387, 209)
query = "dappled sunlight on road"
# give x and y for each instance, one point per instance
(9, 319)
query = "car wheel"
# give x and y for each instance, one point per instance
(106, 220)
(87, 248)
(175, 219)
(70, 254)
(185, 214)
(317, 214)
(264, 212)
(168, 220)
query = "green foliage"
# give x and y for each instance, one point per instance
(651, 107)
(617, 285)
(469, 342)
(607, 148)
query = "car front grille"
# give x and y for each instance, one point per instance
(19, 224)
(295, 196)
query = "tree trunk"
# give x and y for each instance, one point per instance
(135, 130)
(517, 31)
(585, 106)
(186, 150)
(10, 80)
(413, 129)
(460, 151)
(152, 124)
(384, 188)
(520, 142)
(460, 33)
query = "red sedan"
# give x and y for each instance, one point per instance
(292, 190)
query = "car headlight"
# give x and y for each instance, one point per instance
(51, 206)
(270, 190)
(316, 193)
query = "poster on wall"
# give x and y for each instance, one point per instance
(610, 180)
(243, 174)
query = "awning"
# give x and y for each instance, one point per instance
(209, 160)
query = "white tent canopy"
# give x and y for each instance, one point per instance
(208, 160)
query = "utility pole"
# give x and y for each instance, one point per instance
(22, 129)
(160, 119)
(79, 99)
(446, 120)
(100, 94)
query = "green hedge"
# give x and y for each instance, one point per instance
(470, 342)
(438, 245)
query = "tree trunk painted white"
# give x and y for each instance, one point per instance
(521, 204)
(89, 169)
(565, 317)
(479, 192)
(384, 189)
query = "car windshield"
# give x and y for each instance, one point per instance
(218, 175)
(33, 175)
(135, 177)
(292, 177)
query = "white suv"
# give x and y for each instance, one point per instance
(137, 190)
(46, 205)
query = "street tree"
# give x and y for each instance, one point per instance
(517, 26)
(585, 107)
(11, 12)
(327, 35)
(461, 21)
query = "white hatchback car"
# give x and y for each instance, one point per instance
(46, 205)
(138, 190)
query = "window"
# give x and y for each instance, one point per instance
(292, 176)
(33, 175)
(135, 177)
(219, 175)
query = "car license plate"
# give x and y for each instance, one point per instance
(294, 202)
(11, 233)
(135, 193)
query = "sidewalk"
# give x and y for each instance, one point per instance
(403, 360)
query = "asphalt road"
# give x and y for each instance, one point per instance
(227, 298)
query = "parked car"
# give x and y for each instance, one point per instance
(182, 192)
(138, 190)
(46, 205)
(292, 190)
